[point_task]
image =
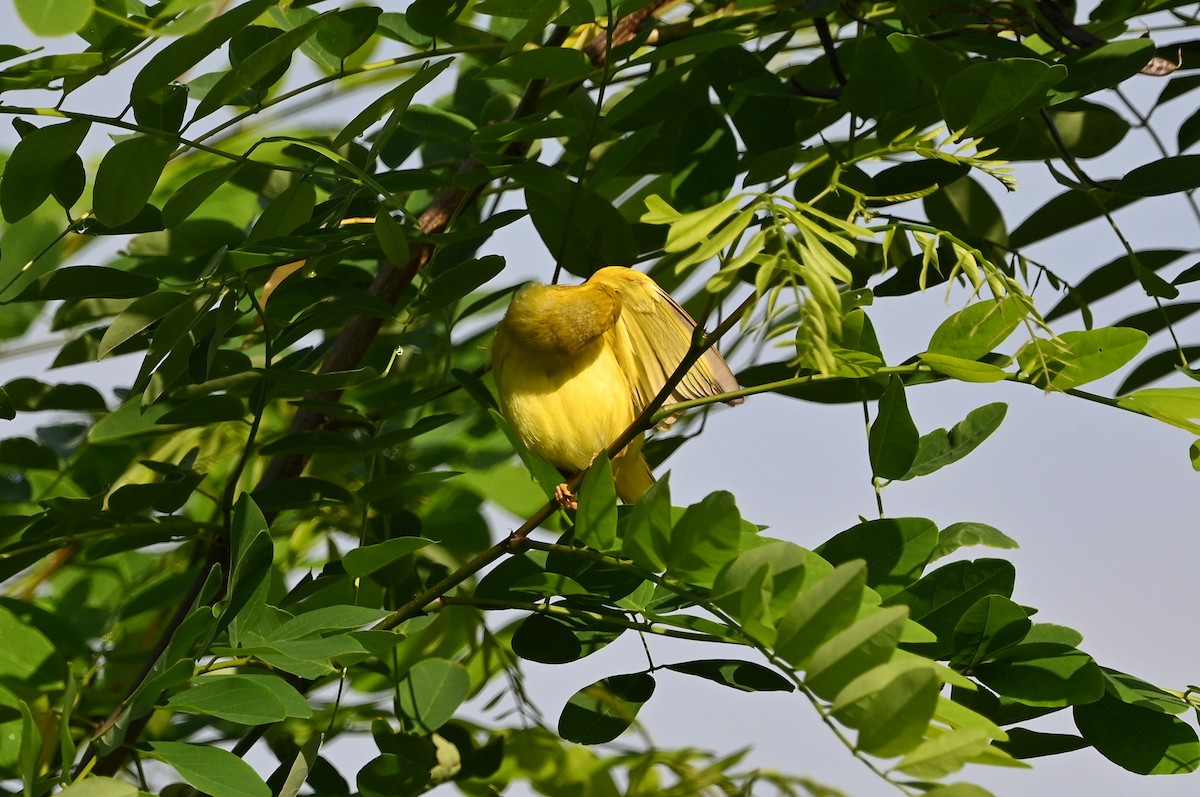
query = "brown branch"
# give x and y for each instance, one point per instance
(626, 30)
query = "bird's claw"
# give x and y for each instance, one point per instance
(565, 498)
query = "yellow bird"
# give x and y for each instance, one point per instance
(575, 364)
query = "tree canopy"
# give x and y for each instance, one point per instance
(288, 524)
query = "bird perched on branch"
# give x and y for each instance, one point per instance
(575, 364)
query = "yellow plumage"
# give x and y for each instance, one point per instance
(574, 365)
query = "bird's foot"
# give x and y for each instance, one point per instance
(565, 498)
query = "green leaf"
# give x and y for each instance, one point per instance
(349, 30)
(50, 18)
(455, 283)
(1105, 66)
(392, 775)
(966, 209)
(127, 177)
(866, 644)
(1023, 743)
(963, 370)
(940, 448)
(326, 618)
(257, 66)
(603, 711)
(557, 63)
(1077, 358)
(944, 753)
(989, 94)
(178, 57)
(210, 769)
(1138, 739)
(367, 559)
(704, 539)
(820, 612)
(233, 698)
(940, 599)
(28, 660)
(990, 626)
(1069, 209)
(743, 675)
(890, 706)
(648, 530)
(1112, 277)
(959, 790)
(581, 229)
(1165, 176)
(979, 328)
(1189, 132)
(433, 691)
(761, 584)
(1137, 692)
(1178, 406)
(960, 535)
(596, 519)
(96, 786)
(1043, 674)
(391, 237)
(192, 194)
(30, 169)
(287, 211)
(81, 282)
(558, 640)
(394, 101)
(893, 438)
(896, 550)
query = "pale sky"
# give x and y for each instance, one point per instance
(1101, 502)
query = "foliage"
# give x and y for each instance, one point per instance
(294, 490)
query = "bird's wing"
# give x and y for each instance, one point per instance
(651, 337)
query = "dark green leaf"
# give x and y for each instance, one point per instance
(237, 699)
(1105, 66)
(940, 448)
(127, 177)
(29, 172)
(990, 626)
(1138, 739)
(1043, 674)
(349, 30)
(1166, 176)
(78, 282)
(178, 57)
(1069, 209)
(1112, 277)
(558, 640)
(581, 229)
(1023, 743)
(603, 711)
(940, 599)
(894, 437)
(392, 775)
(967, 210)
(896, 550)
(557, 63)
(989, 94)
(890, 705)
(743, 675)
(1156, 366)
(257, 66)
